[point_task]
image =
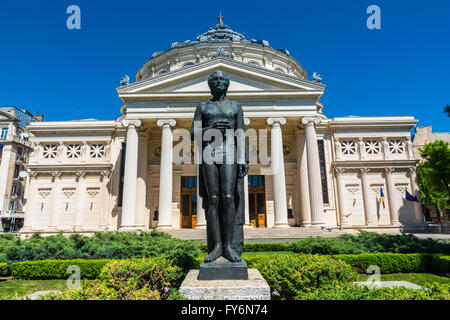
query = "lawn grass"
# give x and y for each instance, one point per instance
(11, 287)
(417, 278)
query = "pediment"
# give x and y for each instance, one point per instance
(243, 79)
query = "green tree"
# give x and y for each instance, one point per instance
(434, 174)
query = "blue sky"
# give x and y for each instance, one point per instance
(402, 69)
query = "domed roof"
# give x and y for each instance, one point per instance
(221, 41)
(220, 33)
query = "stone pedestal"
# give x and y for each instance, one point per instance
(255, 288)
(222, 269)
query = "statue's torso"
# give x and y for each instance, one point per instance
(220, 111)
(214, 111)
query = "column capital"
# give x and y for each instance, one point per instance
(389, 170)
(364, 171)
(166, 122)
(274, 121)
(246, 121)
(339, 171)
(311, 121)
(131, 122)
(412, 170)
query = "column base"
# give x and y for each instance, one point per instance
(131, 228)
(317, 224)
(166, 227)
(51, 229)
(346, 225)
(305, 224)
(396, 224)
(248, 226)
(372, 224)
(281, 226)
(202, 226)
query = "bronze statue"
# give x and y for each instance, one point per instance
(221, 180)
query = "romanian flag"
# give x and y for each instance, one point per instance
(382, 197)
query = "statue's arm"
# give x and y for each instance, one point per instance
(196, 123)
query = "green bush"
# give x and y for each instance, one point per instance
(320, 245)
(3, 269)
(369, 242)
(439, 264)
(157, 274)
(399, 263)
(355, 292)
(57, 269)
(106, 245)
(257, 247)
(136, 279)
(388, 262)
(290, 275)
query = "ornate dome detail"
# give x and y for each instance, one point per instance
(220, 33)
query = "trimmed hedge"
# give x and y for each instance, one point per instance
(433, 291)
(398, 262)
(3, 269)
(258, 247)
(388, 262)
(57, 269)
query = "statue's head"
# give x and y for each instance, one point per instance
(218, 81)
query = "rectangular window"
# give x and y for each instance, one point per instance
(323, 172)
(3, 133)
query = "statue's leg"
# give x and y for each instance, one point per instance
(211, 176)
(228, 175)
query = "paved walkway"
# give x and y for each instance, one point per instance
(266, 234)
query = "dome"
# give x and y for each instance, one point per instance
(221, 41)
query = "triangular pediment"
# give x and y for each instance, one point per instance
(243, 79)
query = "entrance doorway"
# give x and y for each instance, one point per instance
(188, 202)
(257, 201)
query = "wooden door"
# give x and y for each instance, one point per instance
(188, 202)
(257, 201)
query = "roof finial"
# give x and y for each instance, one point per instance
(220, 18)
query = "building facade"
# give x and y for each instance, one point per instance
(14, 149)
(89, 175)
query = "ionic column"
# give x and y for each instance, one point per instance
(165, 175)
(104, 194)
(81, 189)
(303, 183)
(141, 182)
(247, 210)
(55, 197)
(201, 219)
(314, 179)
(341, 198)
(128, 221)
(393, 210)
(279, 179)
(30, 189)
(370, 216)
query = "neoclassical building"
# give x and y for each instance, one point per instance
(90, 175)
